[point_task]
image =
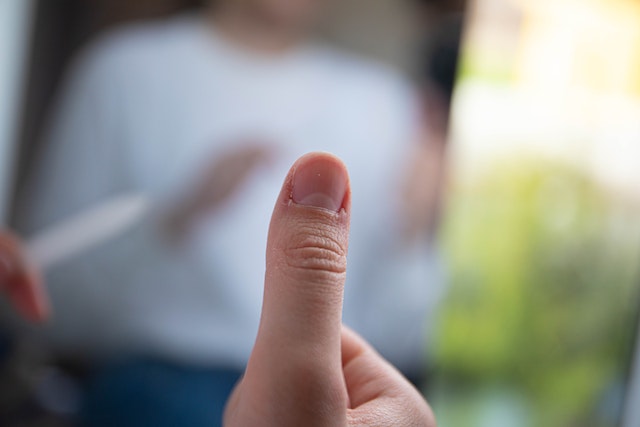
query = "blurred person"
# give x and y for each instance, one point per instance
(305, 367)
(203, 114)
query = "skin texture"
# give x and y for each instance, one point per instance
(306, 368)
(20, 281)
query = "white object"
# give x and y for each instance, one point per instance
(86, 230)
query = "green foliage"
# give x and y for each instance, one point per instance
(543, 277)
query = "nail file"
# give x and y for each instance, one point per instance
(86, 230)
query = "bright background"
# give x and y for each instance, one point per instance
(542, 230)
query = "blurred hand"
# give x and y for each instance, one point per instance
(221, 180)
(20, 281)
(306, 369)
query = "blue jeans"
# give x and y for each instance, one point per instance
(147, 393)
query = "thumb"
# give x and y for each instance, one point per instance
(307, 258)
(297, 351)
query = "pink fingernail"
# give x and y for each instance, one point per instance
(320, 182)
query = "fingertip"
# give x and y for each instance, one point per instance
(319, 180)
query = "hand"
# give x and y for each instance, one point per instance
(20, 281)
(222, 179)
(306, 369)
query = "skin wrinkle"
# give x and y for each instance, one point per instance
(316, 296)
(316, 258)
(310, 247)
(320, 235)
(317, 243)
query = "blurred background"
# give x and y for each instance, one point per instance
(542, 223)
(526, 186)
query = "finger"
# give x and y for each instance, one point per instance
(306, 256)
(378, 393)
(20, 281)
(297, 351)
(368, 376)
